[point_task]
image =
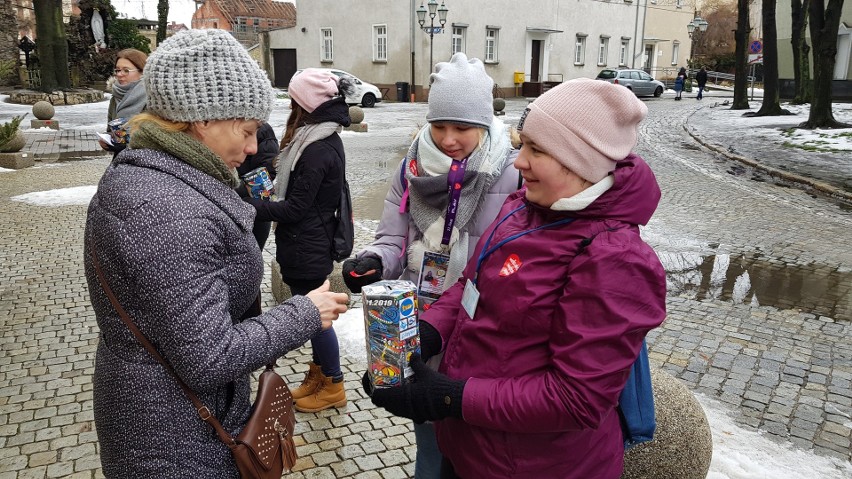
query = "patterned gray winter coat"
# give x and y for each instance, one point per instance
(177, 249)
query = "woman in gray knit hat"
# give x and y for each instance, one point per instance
(175, 244)
(465, 150)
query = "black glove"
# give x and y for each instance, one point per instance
(359, 272)
(431, 396)
(430, 341)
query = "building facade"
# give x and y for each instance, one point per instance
(245, 19)
(526, 47)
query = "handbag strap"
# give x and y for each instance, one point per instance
(203, 411)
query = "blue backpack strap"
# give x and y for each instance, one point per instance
(636, 403)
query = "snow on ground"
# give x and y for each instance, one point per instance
(77, 195)
(782, 127)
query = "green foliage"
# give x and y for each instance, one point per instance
(123, 33)
(9, 129)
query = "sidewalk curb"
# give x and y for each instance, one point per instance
(820, 186)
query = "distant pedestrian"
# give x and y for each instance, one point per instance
(701, 78)
(680, 81)
(128, 95)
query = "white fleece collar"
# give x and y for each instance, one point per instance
(584, 198)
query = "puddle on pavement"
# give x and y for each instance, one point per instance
(754, 279)
(369, 205)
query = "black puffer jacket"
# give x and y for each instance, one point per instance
(306, 218)
(267, 151)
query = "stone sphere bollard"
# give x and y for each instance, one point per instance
(356, 114)
(43, 110)
(682, 445)
(499, 104)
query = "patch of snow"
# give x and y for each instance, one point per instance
(77, 195)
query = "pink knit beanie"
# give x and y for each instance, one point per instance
(312, 87)
(587, 125)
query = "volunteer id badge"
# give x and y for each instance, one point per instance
(470, 298)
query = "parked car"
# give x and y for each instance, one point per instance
(637, 81)
(364, 93)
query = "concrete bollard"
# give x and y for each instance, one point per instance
(682, 445)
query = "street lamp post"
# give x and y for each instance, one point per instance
(433, 10)
(697, 25)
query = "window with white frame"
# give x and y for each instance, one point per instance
(675, 51)
(380, 43)
(491, 37)
(580, 50)
(603, 49)
(459, 34)
(625, 51)
(327, 46)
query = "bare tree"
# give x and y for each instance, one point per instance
(801, 52)
(717, 44)
(741, 35)
(162, 19)
(52, 45)
(824, 23)
(771, 105)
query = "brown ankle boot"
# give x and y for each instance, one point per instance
(311, 382)
(328, 394)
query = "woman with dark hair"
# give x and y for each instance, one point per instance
(128, 94)
(310, 174)
(680, 83)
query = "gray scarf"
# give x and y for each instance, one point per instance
(428, 194)
(129, 99)
(289, 156)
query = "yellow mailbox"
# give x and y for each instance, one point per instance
(519, 77)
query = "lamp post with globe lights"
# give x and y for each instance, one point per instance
(433, 11)
(696, 26)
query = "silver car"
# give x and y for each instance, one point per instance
(637, 81)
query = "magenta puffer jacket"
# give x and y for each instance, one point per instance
(559, 322)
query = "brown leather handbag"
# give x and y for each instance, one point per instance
(265, 448)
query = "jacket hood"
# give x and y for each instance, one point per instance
(632, 199)
(335, 110)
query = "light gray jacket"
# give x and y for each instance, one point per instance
(396, 231)
(177, 249)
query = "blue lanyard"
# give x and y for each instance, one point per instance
(486, 251)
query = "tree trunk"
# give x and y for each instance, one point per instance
(162, 20)
(824, 23)
(771, 95)
(741, 66)
(52, 45)
(801, 52)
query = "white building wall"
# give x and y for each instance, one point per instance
(555, 22)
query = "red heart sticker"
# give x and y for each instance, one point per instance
(511, 266)
(412, 166)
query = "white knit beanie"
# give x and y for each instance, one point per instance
(199, 75)
(587, 125)
(460, 91)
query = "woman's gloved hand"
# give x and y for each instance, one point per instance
(430, 340)
(431, 396)
(359, 272)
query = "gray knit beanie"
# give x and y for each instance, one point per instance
(460, 91)
(199, 75)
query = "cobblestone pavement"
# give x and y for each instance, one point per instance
(784, 369)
